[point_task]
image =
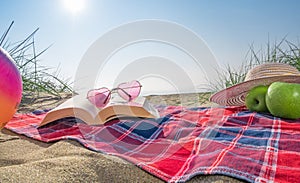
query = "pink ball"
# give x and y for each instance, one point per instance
(10, 88)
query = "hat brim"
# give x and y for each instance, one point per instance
(235, 95)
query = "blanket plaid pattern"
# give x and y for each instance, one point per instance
(186, 142)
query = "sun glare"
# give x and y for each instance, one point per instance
(74, 6)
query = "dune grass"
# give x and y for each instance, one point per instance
(37, 79)
(283, 51)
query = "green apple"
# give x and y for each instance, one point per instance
(255, 99)
(283, 100)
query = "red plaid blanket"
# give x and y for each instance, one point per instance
(186, 142)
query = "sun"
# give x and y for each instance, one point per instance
(74, 6)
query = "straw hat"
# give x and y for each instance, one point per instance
(264, 74)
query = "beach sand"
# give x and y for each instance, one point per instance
(23, 159)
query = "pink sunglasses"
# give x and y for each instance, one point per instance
(128, 91)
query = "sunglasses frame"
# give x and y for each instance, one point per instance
(116, 89)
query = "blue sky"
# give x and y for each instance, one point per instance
(227, 27)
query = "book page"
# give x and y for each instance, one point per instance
(80, 102)
(77, 106)
(139, 107)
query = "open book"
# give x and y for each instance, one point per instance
(79, 107)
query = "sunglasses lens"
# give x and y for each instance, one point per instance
(129, 91)
(99, 97)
